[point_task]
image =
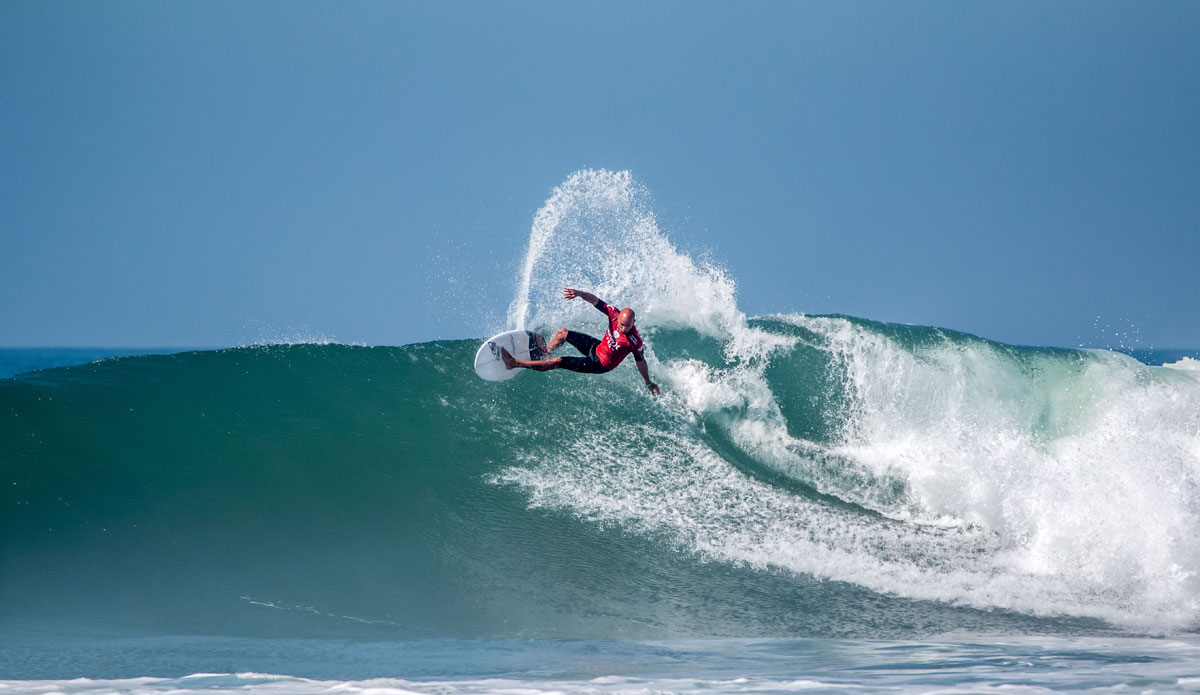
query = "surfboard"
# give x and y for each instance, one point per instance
(523, 345)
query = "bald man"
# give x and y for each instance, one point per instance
(599, 356)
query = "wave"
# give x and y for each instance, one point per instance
(801, 475)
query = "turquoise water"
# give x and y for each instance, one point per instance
(441, 667)
(15, 361)
(342, 513)
(819, 503)
(330, 490)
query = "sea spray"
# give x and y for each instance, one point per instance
(994, 468)
(597, 233)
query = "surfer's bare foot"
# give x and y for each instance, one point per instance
(509, 362)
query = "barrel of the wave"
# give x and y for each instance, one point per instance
(523, 345)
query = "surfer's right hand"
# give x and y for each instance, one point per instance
(569, 293)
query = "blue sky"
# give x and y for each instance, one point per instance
(215, 173)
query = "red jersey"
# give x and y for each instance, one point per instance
(615, 345)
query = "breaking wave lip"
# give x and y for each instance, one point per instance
(259, 334)
(988, 471)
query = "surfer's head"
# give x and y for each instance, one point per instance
(625, 321)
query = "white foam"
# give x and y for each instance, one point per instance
(1041, 483)
(742, 667)
(1187, 364)
(1086, 470)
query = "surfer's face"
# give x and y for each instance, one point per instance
(624, 323)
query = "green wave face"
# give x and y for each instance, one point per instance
(336, 490)
(854, 479)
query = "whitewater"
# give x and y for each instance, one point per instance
(977, 473)
(921, 507)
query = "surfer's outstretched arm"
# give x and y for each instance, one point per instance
(645, 370)
(588, 297)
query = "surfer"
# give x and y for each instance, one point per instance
(599, 356)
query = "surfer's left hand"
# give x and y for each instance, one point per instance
(654, 389)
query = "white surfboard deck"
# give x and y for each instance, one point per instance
(523, 345)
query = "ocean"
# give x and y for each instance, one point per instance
(815, 504)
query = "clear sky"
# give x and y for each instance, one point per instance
(214, 173)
